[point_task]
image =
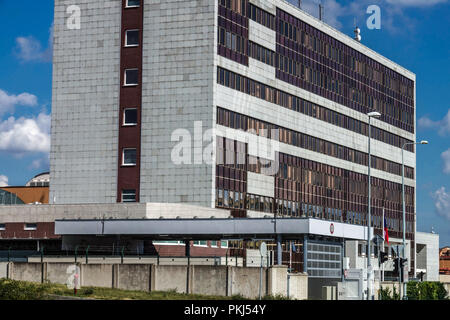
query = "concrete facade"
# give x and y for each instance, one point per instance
(50, 213)
(445, 279)
(178, 76)
(85, 98)
(427, 245)
(3, 269)
(260, 184)
(298, 286)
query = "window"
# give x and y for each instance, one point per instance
(129, 117)
(133, 3)
(129, 157)
(202, 243)
(128, 195)
(224, 244)
(30, 226)
(131, 77)
(131, 38)
(168, 243)
(2, 227)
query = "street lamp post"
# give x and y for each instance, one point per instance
(373, 114)
(403, 204)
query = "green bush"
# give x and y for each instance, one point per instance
(21, 290)
(426, 290)
(87, 291)
(385, 294)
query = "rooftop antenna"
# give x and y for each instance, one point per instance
(357, 31)
(320, 11)
(299, 4)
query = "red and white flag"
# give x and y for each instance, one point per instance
(386, 234)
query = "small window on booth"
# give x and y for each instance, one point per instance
(30, 226)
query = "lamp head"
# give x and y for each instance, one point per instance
(374, 114)
(424, 142)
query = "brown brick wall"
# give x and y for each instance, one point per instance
(45, 230)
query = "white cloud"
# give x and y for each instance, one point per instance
(442, 126)
(3, 181)
(442, 202)
(415, 3)
(30, 49)
(343, 16)
(9, 101)
(446, 158)
(22, 135)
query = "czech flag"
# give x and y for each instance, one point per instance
(386, 235)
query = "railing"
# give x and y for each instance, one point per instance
(87, 253)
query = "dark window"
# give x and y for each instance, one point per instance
(133, 3)
(130, 117)
(128, 195)
(30, 226)
(131, 77)
(131, 38)
(129, 157)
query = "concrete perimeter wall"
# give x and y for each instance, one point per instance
(3, 269)
(208, 280)
(445, 279)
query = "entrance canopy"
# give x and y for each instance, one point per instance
(213, 228)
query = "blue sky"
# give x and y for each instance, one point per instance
(414, 34)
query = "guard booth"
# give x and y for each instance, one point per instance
(353, 285)
(323, 264)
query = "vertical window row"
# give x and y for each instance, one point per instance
(232, 41)
(261, 53)
(128, 178)
(231, 174)
(232, 38)
(238, 6)
(262, 17)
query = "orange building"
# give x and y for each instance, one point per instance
(27, 194)
(444, 260)
(35, 191)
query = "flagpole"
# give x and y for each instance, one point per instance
(290, 256)
(382, 265)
